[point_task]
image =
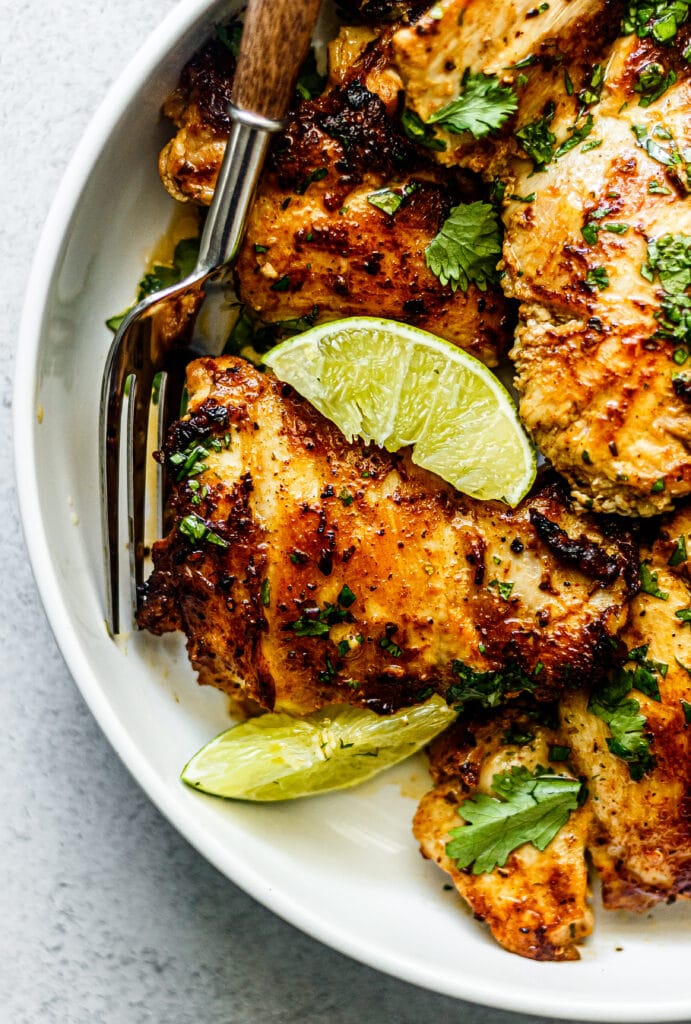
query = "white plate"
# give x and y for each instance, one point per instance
(343, 868)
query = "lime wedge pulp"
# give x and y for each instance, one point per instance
(278, 757)
(395, 385)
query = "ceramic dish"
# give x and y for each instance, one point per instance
(344, 868)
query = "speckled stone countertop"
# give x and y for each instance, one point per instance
(106, 913)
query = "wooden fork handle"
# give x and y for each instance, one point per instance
(275, 40)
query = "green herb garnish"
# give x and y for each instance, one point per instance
(468, 247)
(649, 582)
(195, 529)
(483, 106)
(528, 808)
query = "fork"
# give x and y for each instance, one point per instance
(275, 40)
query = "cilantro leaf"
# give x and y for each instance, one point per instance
(483, 106)
(529, 808)
(467, 248)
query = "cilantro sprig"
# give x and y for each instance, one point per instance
(528, 808)
(483, 106)
(467, 249)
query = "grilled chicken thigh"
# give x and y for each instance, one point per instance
(536, 904)
(346, 207)
(306, 570)
(641, 832)
(598, 229)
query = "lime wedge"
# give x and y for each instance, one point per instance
(396, 385)
(278, 757)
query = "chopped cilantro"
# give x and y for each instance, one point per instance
(679, 554)
(483, 106)
(649, 582)
(195, 529)
(416, 129)
(504, 588)
(266, 593)
(317, 175)
(538, 140)
(684, 615)
(489, 688)
(529, 808)
(345, 497)
(387, 644)
(652, 83)
(346, 596)
(669, 260)
(163, 276)
(578, 132)
(343, 648)
(317, 622)
(622, 714)
(590, 233)
(659, 19)
(515, 736)
(559, 753)
(282, 285)
(592, 87)
(661, 146)
(686, 708)
(597, 277)
(468, 247)
(388, 200)
(658, 486)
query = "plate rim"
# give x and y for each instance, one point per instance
(62, 211)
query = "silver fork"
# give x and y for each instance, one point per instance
(275, 39)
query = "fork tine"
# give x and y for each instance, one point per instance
(170, 396)
(137, 461)
(112, 394)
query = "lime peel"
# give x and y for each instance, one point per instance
(279, 757)
(395, 385)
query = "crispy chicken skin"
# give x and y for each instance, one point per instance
(597, 382)
(641, 833)
(316, 246)
(537, 904)
(435, 579)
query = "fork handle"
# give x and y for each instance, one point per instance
(275, 40)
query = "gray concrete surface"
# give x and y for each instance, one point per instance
(106, 914)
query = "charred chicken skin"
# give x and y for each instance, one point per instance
(318, 246)
(597, 216)
(306, 570)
